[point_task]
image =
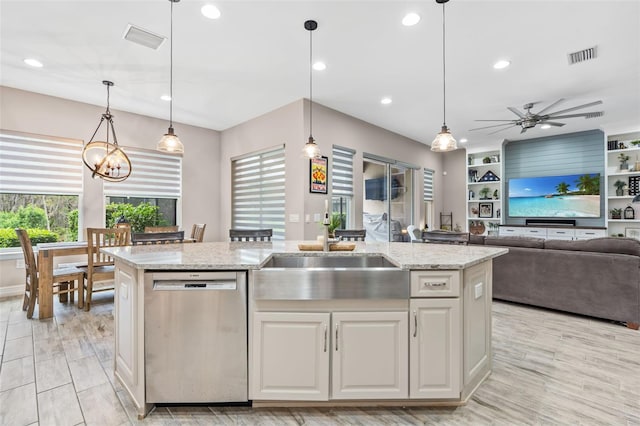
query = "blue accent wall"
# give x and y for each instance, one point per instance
(573, 153)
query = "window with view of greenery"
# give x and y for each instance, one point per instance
(47, 218)
(139, 216)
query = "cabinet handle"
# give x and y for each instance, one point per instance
(325, 337)
(440, 284)
(415, 323)
(336, 337)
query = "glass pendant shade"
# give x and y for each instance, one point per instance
(311, 149)
(444, 141)
(170, 143)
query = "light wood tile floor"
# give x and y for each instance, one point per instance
(549, 368)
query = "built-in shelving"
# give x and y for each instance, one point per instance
(615, 171)
(484, 208)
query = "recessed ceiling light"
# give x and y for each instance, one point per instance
(385, 101)
(410, 19)
(545, 126)
(319, 66)
(463, 140)
(165, 97)
(33, 62)
(501, 64)
(210, 11)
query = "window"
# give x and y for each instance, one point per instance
(258, 192)
(427, 197)
(156, 180)
(40, 186)
(342, 185)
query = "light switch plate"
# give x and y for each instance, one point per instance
(478, 289)
(316, 217)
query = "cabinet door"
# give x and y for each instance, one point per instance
(435, 342)
(290, 356)
(369, 355)
(126, 325)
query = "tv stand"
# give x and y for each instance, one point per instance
(550, 222)
(553, 231)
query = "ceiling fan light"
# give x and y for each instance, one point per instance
(170, 143)
(444, 141)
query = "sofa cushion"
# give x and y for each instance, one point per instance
(528, 242)
(629, 246)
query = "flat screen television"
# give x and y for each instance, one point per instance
(555, 196)
(376, 189)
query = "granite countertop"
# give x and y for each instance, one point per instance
(253, 255)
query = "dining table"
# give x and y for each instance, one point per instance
(46, 254)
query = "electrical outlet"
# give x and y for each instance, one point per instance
(20, 264)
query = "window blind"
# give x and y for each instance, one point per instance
(427, 180)
(342, 171)
(154, 174)
(34, 164)
(258, 192)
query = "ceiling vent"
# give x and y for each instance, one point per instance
(582, 55)
(594, 114)
(143, 37)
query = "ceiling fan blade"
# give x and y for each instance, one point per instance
(512, 121)
(584, 114)
(495, 125)
(506, 128)
(516, 112)
(555, 114)
(550, 106)
(553, 123)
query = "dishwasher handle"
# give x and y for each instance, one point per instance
(192, 285)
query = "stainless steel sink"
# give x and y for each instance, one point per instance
(328, 277)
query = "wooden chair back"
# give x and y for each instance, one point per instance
(160, 229)
(351, 234)
(445, 237)
(64, 279)
(140, 238)
(250, 234)
(197, 232)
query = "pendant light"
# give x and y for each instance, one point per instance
(170, 141)
(444, 141)
(105, 159)
(311, 149)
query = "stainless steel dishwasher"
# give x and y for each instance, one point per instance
(195, 336)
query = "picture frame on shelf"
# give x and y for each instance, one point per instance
(485, 210)
(318, 172)
(632, 233)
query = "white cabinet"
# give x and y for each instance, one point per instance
(293, 352)
(370, 355)
(434, 354)
(552, 233)
(484, 191)
(626, 174)
(290, 356)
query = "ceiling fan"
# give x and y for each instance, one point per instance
(527, 120)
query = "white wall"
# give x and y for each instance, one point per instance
(46, 115)
(453, 194)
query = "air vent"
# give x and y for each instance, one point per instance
(583, 55)
(594, 114)
(143, 37)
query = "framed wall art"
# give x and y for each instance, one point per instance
(486, 209)
(318, 172)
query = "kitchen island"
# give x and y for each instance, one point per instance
(426, 343)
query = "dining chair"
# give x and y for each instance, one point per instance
(64, 279)
(250, 234)
(160, 229)
(197, 232)
(350, 234)
(411, 230)
(100, 266)
(445, 237)
(142, 238)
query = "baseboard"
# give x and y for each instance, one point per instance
(11, 291)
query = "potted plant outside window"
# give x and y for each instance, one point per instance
(619, 184)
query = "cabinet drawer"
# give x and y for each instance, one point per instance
(560, 233)
(590, 233)
(435, 283)
(535, 232)
(507, 230)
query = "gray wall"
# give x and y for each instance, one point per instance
(574, 153)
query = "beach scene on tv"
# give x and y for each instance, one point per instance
(555, 196)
